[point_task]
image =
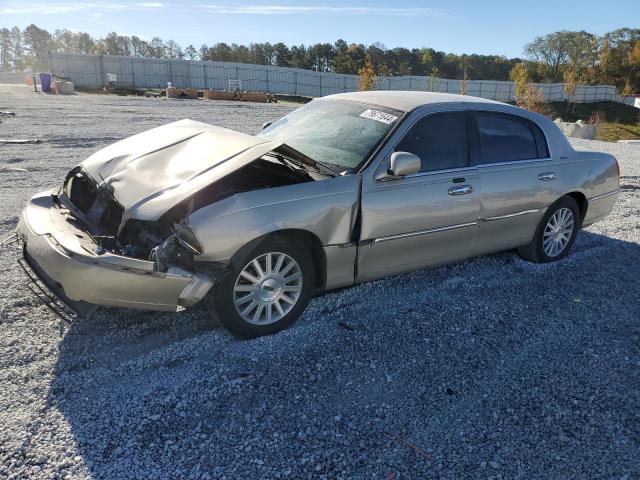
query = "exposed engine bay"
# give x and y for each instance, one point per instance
(167, 241)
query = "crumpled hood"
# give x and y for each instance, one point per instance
(152, 171)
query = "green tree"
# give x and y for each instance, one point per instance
(37, 40)
(157, 48)
(191, 53)
(6, 50)
(18, 49)
(550, 51)
(280, 54)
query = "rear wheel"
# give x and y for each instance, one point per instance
(555, 234)
(267, 292)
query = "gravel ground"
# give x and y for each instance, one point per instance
(492, 368)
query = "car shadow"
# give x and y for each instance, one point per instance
(165, 396)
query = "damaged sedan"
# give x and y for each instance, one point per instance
(348, 188)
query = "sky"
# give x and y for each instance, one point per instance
(456, 26)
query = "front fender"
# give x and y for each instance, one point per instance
(325, 208)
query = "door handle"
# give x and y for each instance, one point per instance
(461, 190)
(547, 176)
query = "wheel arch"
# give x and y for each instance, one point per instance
(582, 202)
(308, 239)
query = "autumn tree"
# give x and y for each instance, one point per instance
(367, 75)
(519, 75)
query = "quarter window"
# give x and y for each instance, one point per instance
(439, 140)
(506, 138)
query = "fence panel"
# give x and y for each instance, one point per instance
(91, 71)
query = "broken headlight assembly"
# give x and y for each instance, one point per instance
(186, 238)
(177, 250)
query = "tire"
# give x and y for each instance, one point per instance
(235, 300)
(540, 250)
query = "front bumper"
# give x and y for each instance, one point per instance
(64, 255)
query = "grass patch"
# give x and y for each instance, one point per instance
(617, 120)
(612, 132)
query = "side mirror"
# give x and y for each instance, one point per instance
(266, 124)
(403, 164)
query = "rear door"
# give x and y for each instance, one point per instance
(425, 218)
(517, 175)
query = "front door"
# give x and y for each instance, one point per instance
(427, 218)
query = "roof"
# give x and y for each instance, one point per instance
(406, 100)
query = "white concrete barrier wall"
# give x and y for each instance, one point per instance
(12, 77)
(90, 71)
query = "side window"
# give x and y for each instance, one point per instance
(507, 138)
(440, 140)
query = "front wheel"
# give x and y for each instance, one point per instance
(555, 234)
(267, 292)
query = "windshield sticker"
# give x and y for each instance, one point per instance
(379, 116)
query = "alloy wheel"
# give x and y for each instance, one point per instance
(267, 288)
(557, 232)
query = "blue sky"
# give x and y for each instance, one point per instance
(499, 27)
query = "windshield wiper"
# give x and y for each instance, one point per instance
(332, 172)
(303, 160)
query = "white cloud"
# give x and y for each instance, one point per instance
(303, 9)
(57, 8)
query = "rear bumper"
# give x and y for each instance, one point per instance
(60, 255)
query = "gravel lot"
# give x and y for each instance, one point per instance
(492, 368)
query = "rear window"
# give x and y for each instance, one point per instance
(507, 138)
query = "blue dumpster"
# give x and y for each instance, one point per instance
(45, 81)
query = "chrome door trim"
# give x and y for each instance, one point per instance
(421, 232)
(440, 172)
(510, 215)
(603, 195)
(514, 162)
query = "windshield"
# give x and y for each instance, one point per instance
(339, 133)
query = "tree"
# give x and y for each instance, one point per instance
(115, 44)
(139, 48)
(519, 75)
(173, 50)
(156, 48)
(37, 40)
(367, 75)
(281, 55)
(570, 83)
(65, 41)
(18, 49)
(191, 53)
(85, 44)
(349, 60)
(6, 50)
(299, 57)
(204, 52)
(221, 52)
(550, 51)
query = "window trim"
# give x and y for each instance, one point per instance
(465, 113)
(470, 139)
(478, 150)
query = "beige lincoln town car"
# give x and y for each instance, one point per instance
(345, 189)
